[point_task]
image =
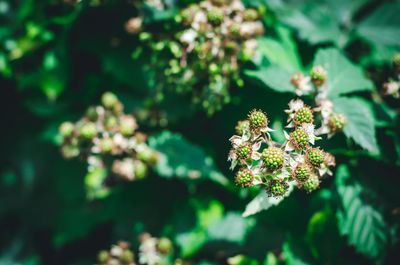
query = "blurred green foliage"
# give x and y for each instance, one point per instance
(58, 57)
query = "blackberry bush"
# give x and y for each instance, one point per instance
(278, 166)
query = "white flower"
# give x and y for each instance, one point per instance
(189, 36)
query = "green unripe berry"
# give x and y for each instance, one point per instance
(103, 256)
(88, 130)
(244, 151)
(336, 122)
(242, 126)
(111, 122)
(244, 177)
(299, 139)
(250, 14)
(70, 151)
(107, 145)
(303, 115)
(302, 172)
(257, 120)
(215, 15)
(235, 29)
(91, 113)
(213, 69)
(318, 75)
(109, 99)
(140, 169)
(66, 129)
(396, 62)
(230, 46)
(277, 188)
(315, 157)
(127, 256)
(273, 158)
(311, 184)
(164, 245)
(127, 125)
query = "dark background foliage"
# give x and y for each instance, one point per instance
(56, 59)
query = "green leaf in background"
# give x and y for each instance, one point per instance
(262, 202)
(183, 159)
(343, 76)
(322, 235)
(359, 221)
(293, 254)
(382, 27)
(274, 77)
(316, 25)
(360, 122)
(328, 22)
(242, 260)
(271, 259)
(282, 52)
(280, 60)
(232, 227)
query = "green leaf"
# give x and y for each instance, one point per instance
(293, 255)
(282, 52)
(183, 159)
(316, 25)
(271, 259)
(232, 227)
(274, 77)
(262, 202)
(382, 27)
(343, 76)
(363, 225)
(360, 122)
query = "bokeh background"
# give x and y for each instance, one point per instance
(58, 57)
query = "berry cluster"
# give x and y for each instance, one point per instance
(106, 136)
(119, 254)
(152, 251)
(279, 166)
(314, 85)
(205, 53)
(392, 87)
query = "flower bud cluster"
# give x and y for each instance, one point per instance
(119, 254)
(315, 85)
(106, 136)
(151, 251)
(213, 39)
(262, 161)
(155, 250)
(392, 87)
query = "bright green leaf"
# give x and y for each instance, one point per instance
(360, 122)
(359, 221)
(343, 76)
(182, 159)
(382, 27)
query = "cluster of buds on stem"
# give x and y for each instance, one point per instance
(119, 254)
(295, 162)
(106, 137)
(315, 85)
(392, 87)
(214, 38)
(152, 251)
